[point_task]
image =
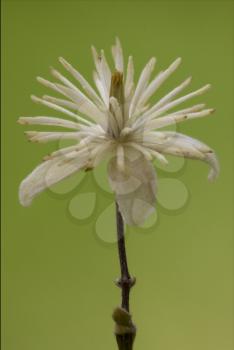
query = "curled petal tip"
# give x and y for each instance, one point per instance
(24, 197)
(212, 160)
(213, 175)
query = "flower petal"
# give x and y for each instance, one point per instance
(84, 105)
(141, 85)
(129, 82)
(60, 109)
(60, 102)
(85, 85)
(135, 186)
(174, 119)
(47, 174)
(168, 97)
(117, 53)
(158, 81)
(46, 136)
(155, 112)
(103, 70)
(177, 144)
(43, 120)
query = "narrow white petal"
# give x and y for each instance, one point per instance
(47, 174)
(84, 145)
(60, 102)
(41, 120)
(184, 146)
(61, 152)
(152, 113)
(158, 81)
(58, 88)
(83, 82)
(48, 84)
(113, 128)
(145, 152)
(129, 82)
(159, 156)
(172, 93)
(116, 110)
(135, 187)
(96, 58)
(102, 91)
(64, 80)
(60, 109)
(46, 136)
(174, 119)
(141, 85)
(84, 105)
(194, 108)
(117, 53)
(77, 153)
(144, 120)
(103, 70)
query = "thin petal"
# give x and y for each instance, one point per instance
(154, 112)
(60, 102)
(135, 187)
(168, 97)
(102, 91)
(158, 81)
(116, 110)
(117, 53)
(141, 85)
(64, 80)
(48, 121)
(85, 85)
(47, 174)
(142, 121)
(44, 136)
(184, 146)
(194, 108)
(103, 70)
(84, 105)
(60, 109)
(129, 82)
(174, 119)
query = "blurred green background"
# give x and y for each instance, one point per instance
(58, 291)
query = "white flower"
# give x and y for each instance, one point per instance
(117, 120)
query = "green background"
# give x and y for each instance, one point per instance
(58, 290)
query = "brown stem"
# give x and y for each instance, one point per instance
(125, 329)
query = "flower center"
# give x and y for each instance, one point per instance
(116, 89)
(116, 107)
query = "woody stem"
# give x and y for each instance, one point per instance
(125, 281)
(124, 339)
